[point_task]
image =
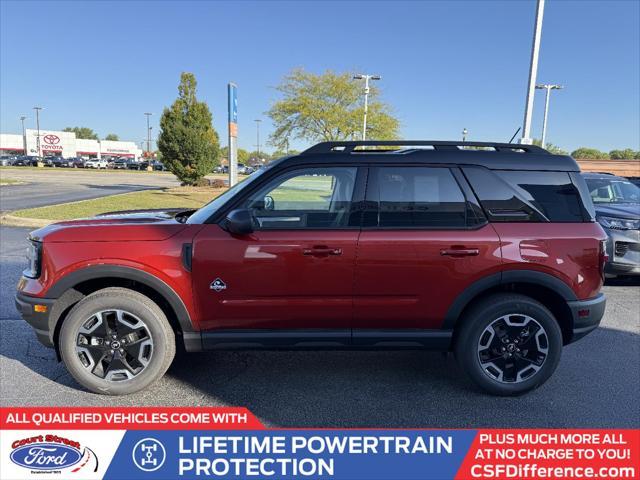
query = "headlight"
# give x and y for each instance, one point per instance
(619, 223)
(34, 259)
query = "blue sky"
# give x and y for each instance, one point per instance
(445, 65)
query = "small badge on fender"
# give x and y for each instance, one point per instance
(218, 285)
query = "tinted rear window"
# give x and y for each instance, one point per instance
(527, 196)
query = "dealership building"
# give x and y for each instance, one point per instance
(65, 144)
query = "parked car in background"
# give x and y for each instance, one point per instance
(492, 254)
(48, 161)
(7, 160)
(158, 166)
(121, 164)
(25, 161)
(617, 204)
(246, 170)
(221, 169)
(96, 163)
(77, 162)
(61, 162)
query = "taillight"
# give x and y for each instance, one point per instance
(604, 258)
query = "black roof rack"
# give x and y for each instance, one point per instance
(349, 146)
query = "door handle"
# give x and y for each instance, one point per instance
(460, 252)
(321, 251)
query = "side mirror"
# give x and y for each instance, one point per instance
(269, 203)
(239, 222)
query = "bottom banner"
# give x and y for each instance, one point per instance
(167, 444)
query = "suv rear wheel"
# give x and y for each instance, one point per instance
(116, 341)
(509, 344)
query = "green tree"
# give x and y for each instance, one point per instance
(243, 155)
(112, 137)
(282, 153)
(254, 157)
(327, 107)
(626, 154)
(589, 154)
(188, 143)
(82, 132)
(551, 148)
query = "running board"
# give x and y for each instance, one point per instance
(317, 339)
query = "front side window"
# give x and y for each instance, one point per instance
(305, 198)
(415, 197)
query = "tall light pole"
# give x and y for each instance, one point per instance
(24, 135)
(533, 72)
(366, 79)
(148, 132)
(257, 120)
(548, 88)
(464, 134)
(37, 109)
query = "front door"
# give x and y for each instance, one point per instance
(295, 271)
(422, 244)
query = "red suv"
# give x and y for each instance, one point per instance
(489, 250)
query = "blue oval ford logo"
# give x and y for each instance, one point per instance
(45, 456)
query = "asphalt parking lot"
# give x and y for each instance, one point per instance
(53, 186)
(596, 385)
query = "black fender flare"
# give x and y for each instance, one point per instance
(501, 278)
(94, 272)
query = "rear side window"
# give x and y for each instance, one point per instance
(527, 196)
(414, 197)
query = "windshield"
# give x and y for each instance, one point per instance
(612, 190)
(201, 215)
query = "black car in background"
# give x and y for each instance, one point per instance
(617, 204)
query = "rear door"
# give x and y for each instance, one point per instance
(424, 240)
(295, 271)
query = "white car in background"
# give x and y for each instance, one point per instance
(96, 163)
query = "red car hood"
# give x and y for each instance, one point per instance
(129, 226)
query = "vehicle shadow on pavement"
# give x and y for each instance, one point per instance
(596, 385)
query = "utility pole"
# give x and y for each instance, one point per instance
(24, 135)
(533, 72)
(548, 88)
(37, 109)
(464, 134)
(366, 79)
(148, 133)
(257, 120)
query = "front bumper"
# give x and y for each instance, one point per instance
(587, 315)
(623, 248)
(38, 320)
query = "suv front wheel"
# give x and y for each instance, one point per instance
(509, 344)
(116, 341)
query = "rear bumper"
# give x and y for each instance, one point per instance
(587, 315)
(38, 320)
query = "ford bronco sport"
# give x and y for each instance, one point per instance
(488, 250)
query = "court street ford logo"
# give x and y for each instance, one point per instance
(51, 139)
(45, 454)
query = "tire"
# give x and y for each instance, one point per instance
(516, 370)
(147, 356)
